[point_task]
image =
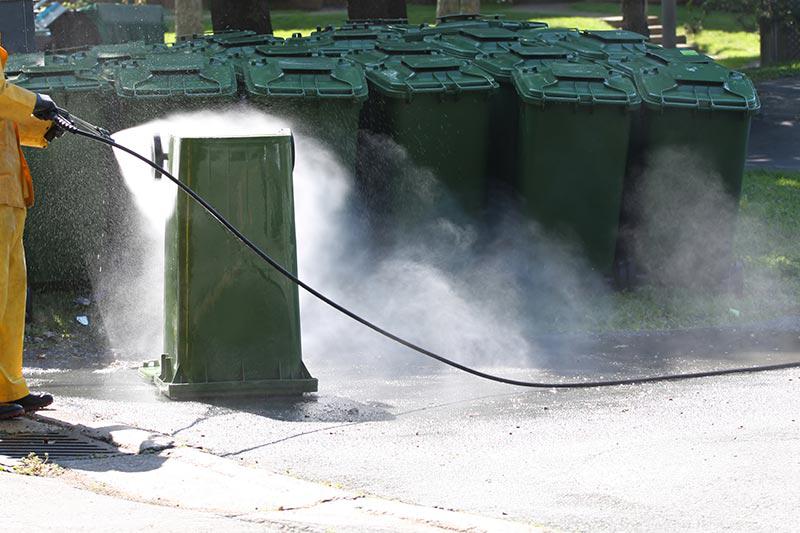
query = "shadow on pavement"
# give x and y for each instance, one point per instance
(775, 133)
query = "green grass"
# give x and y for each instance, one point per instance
(767, 245)
(774, 71)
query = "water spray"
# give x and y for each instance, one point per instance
(77, 126)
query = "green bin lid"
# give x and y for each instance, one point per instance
(616, 36)
(471, 41)
(455, 23)
(306, 77)
(215, 35)
(672, 55)
(285, 50)
(191, 75)
(295, 46)
(490, 34)
(582, 83)
(502, 65)
(574, 40)
(697, 86)
(240, 41)
(339, 43)
(366, 34)
(407, 76)
(66, 78)
(16, 62)
(385, 50)
(238, 46)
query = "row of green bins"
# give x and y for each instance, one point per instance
(574, 127)
(437, 109)
(321, 96)
(688, 148)
(65, 228)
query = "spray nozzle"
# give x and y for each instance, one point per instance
(158, 155)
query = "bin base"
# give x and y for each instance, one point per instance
(226, 389)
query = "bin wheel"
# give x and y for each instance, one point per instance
(624, 274)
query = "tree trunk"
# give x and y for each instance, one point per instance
(241, 15)
(188, 17)
(634, 16)
(376, 9)
(456, 7)
(669, 23)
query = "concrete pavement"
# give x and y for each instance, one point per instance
(775, 134)
(708, 454)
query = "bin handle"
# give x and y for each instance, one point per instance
(589, 96)
(169, 92)
(694, 101)
(177, 69)
(95, 82)
(432, 86)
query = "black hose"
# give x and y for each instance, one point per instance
(396, 338)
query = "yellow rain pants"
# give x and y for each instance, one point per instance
(17, 127)
(13, 282)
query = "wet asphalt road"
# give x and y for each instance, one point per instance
(707, 454)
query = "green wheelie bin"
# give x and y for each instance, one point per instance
(72, 179)
(162, 84)
(684, 185)
(574, 129)
(232, 322)
(436, 108)
(505, 104)
(321, 96)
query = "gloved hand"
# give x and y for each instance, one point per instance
(45, 108)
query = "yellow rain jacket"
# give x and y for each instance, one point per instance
(17, 127)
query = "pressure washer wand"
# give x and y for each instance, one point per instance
(72, 124)
(75, 125)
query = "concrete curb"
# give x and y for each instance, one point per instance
(154, 469)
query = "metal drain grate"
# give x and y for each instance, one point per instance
(55, 445)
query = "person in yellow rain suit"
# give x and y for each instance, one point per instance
(26, 118)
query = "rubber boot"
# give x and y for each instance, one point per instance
(11, 410)
(34, 402)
